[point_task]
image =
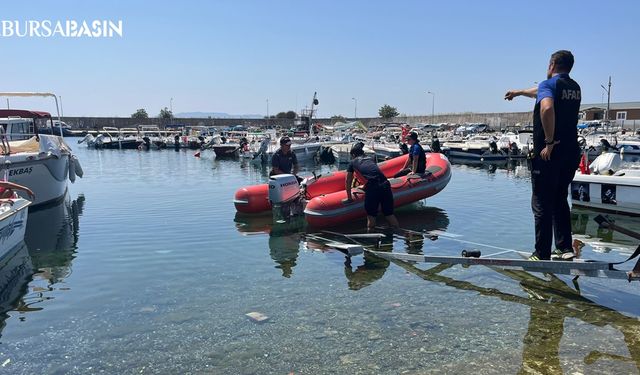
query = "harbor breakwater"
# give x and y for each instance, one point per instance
(494, 120)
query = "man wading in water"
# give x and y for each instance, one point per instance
(556, 156)
(377, 189)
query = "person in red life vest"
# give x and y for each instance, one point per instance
(405, 131)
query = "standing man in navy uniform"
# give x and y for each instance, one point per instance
(284, 160)
(556, 156)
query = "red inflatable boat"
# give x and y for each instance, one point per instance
(333, 209)
(255, 199)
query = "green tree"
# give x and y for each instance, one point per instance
(291, 115)
(140, 114)
(387, 111)
(165, 113)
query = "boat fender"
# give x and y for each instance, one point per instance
(72, 170)
(78, 168)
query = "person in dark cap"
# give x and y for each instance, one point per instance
(284, 161)
(417, 161)
(377, 189)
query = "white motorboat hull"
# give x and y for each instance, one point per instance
(342, 152)
(475, 154)
(13, 223)
(46, 176)
(304, 152)
(43, 165)
(617, 193)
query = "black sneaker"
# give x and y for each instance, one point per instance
(566, 255)
(533, 257)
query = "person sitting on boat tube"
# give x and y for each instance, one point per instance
(284, 161)
(377, 189)
(417, 161)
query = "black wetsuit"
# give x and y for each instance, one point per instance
(550, 179)
(377, 190)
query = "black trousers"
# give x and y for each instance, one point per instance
(550, 182)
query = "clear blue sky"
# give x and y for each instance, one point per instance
(230, 56)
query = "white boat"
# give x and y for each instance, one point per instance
(477, 147)
(629, 145)
(40, 162)
(13, 222)
(342, 152)
(609, 188)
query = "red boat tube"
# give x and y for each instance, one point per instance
(333, 209)
(255, 199)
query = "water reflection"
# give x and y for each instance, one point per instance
(15, 272)
(286, 239)
(43, 259)
(52, 237)
(602, 239)
(551, 301)
(491, 165)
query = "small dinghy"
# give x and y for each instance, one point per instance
(334, 209)
(255, 199)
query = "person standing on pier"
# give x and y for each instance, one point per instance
(556, 156)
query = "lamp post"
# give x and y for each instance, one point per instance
(355, 109)
(433, 105)
(267, 112)
(608, 91)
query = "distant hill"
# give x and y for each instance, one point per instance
(213, 115)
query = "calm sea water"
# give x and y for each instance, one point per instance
(146, 268)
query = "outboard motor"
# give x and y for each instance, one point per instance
(146, 141)
(513, 149)
(262, 151)
(176, 142)
(404, 149)
(284, 195)
(606, 146)
(435, 145)
(493, 147)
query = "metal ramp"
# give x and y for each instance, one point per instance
(353, 244)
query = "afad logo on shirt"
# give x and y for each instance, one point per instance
(571, 94)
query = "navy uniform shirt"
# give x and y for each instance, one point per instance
(566, 96)
(368, 169)
(417, 151)
(284, 162)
